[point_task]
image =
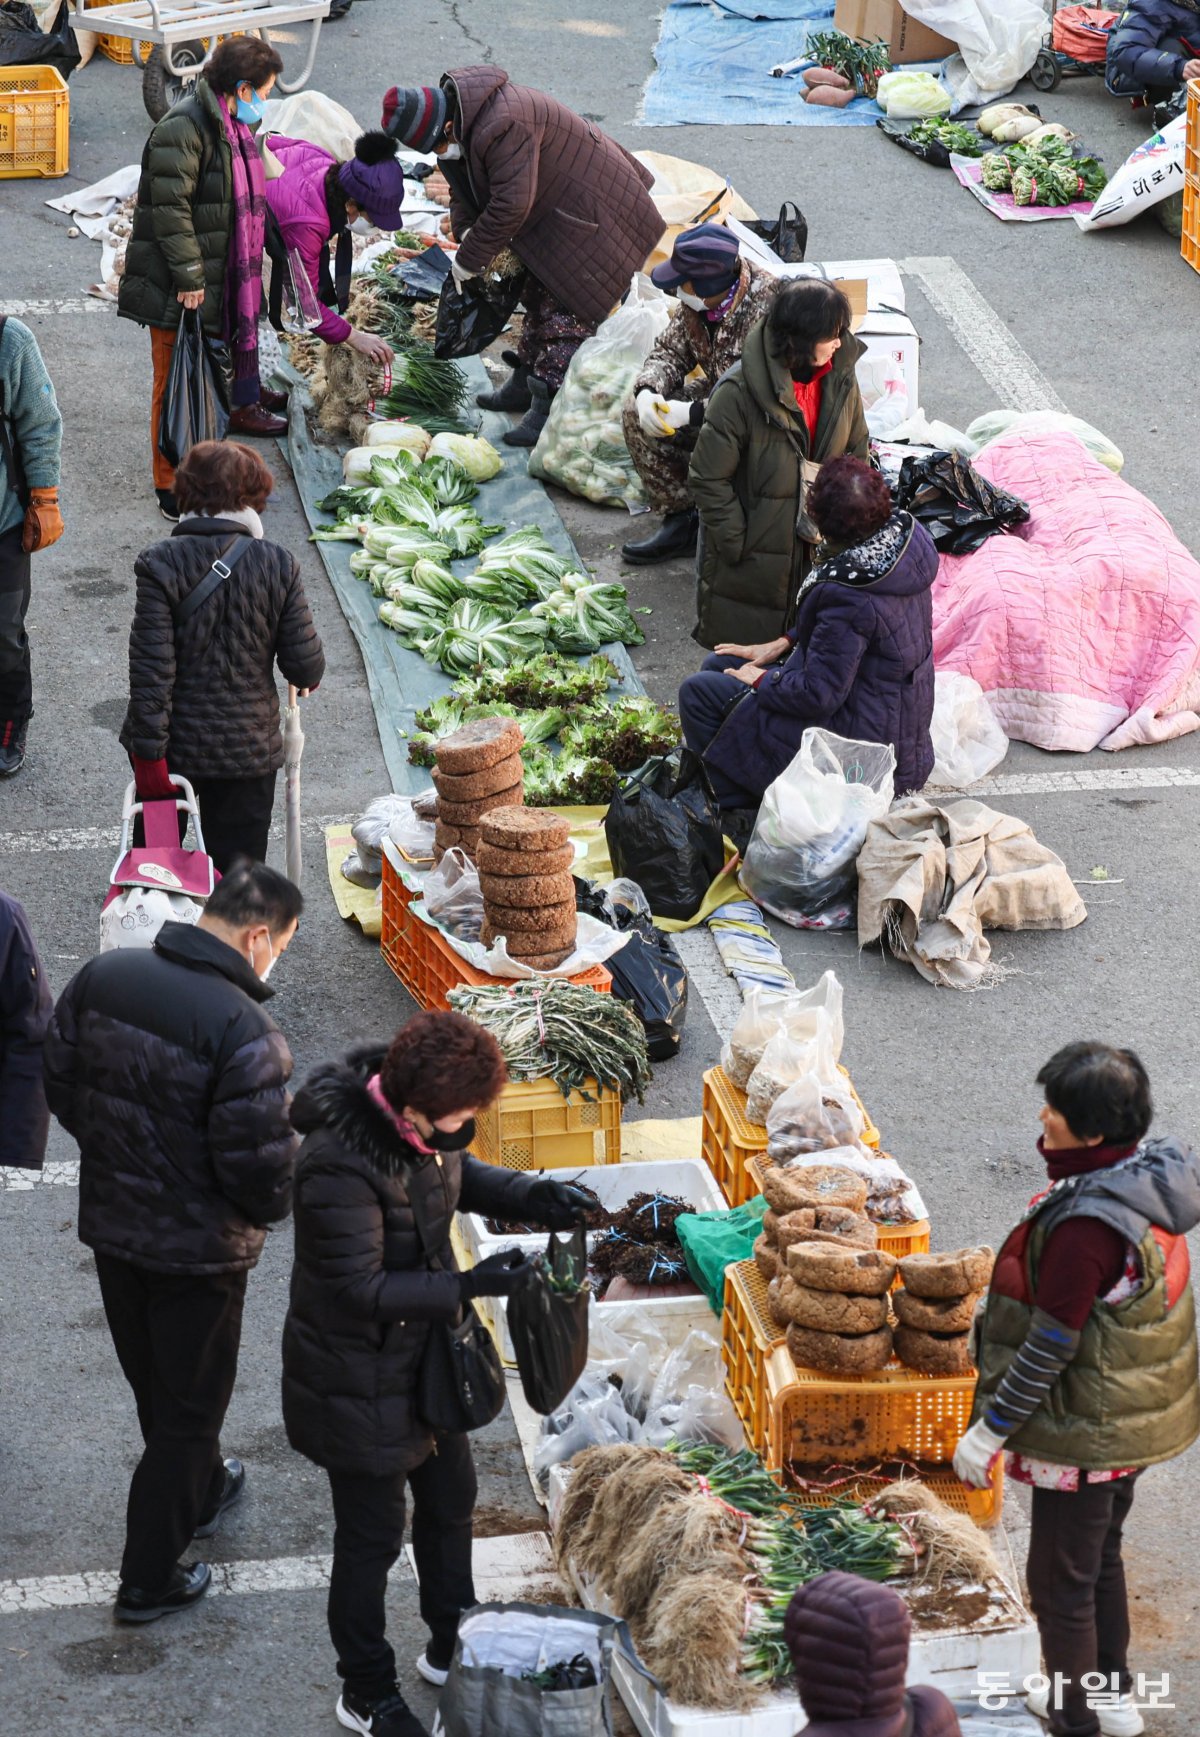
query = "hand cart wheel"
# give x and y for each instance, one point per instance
(1045, 73)
(161, 89)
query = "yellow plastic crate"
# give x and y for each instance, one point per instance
(896, 1240)
(748, 1337)
(533, 1127)
(124, 50)
(35, 122)
(728, 1141)
(1189, 243)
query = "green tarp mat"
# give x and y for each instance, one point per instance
(401, 683)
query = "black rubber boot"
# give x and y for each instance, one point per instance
(13, 732)
(514, 394)
(675, 536)
(526, 432)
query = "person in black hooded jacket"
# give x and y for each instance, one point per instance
(382, 1170)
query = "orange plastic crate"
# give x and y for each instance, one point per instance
(424, 960)
(728, 1141)
(1189, 244)
(35, 122)
(897, 1240)
(533, 1127)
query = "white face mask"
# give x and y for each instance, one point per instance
(263, 975)
(452, 153)
(693, 302)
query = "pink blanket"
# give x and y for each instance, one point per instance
(1083, 626)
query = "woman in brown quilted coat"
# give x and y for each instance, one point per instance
(528, 175)
(202, 698)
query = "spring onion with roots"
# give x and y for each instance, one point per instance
(421, 382)
(564, 1032)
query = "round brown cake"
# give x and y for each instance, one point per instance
(470, 786)
(476, 746)
(526, 829)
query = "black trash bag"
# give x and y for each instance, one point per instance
(664, 831)
(424, 277)
(548, 1322)
(648, 972)
(959, 508)
(24, 43)
(472, 315)
(899, 133)
(196, 401)
(787, 236)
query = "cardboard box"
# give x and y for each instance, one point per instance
(907, 40)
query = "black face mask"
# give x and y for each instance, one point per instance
(456, 1142)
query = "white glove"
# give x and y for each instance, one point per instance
(459, 273)
(675, 412)
(651, 412)
(974, 1455)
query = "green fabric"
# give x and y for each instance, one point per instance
(711, 1241)
(745, 478)
(1129, 1397)
(184, 218)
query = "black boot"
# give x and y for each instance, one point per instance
(13, 732)
(514, 394)
(675, 536)
(526, 432)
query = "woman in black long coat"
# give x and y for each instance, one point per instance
(382, 1170)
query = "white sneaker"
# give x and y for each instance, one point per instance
(432, 1675)
(1123, 1720)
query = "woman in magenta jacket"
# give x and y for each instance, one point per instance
(317, 198)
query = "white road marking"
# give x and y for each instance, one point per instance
(708, 977)
(58, 305)
(99, 1586)
(60, 838)
(1100, 779)
(63, 1174)
(1009, 370)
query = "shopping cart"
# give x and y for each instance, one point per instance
(183, 33)
(1077, 44)
(157, 881)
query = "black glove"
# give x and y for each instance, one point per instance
(497, 1276)
(558, 1205)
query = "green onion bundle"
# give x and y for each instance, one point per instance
(564, 1032)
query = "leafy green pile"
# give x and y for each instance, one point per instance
(626, 733)
(964, 141)
(1045, 173)
(545, 680)
(568, 779)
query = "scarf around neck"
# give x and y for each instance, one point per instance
(243, 273)
(863, 563)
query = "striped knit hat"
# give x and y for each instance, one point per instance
(416, 117)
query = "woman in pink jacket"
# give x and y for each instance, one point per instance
(317, 198)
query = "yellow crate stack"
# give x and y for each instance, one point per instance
(35, 122)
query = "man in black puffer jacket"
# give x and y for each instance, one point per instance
(172, 1077)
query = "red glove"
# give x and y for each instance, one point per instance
(152, 781)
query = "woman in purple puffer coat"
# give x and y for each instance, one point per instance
(859, 660)
(317, 198)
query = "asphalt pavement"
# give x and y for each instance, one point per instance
(1106, 322)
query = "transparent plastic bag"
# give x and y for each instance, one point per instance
(968, 741)
(582, 447)
(301, 310)
(454, 897)
(909, 95)
(373, 826)
(593, 1415)
(892, 1195)
(994, 423)
(688, 1401)
(786, 1059)
(802, 1012)
(801, 861)
(812, 1116)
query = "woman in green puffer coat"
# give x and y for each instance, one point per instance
(772, 420)
(197, 235)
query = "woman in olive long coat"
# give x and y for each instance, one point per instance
(772, 420)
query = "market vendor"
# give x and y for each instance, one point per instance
(1087, 1365)
(527, 174)
(317, 198)
(859, 660)
(721, 296)
(1153, 48)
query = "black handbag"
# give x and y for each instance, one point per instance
(787, 236)
(460, 1383)
(548, 1326)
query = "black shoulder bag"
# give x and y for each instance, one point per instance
(460, 1383)
(216, 576)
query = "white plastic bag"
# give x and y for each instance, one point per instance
(920, 431)
(968, 741)
(785, 1060)
(909, 95)
(804, 1013)
(800, 862)
(688, 1401)
(369, 832)
(813, 1115)
(582, 446)
(998, 42)
(884, 394)
(1152, 172)
(994, 423)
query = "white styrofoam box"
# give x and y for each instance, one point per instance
(951, 1661)
(687, 1179)
(675, 1317)
(893, 337)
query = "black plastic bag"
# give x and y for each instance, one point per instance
(472, 315)
(788, 236)
(648, 972)
(425, 276)
(196, 401)
(959, 508)
(24, 43)
(548, 1325)
(664, 831)
(899, 133)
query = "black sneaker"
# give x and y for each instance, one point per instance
(388, 1716)
(13, 733)
(231, 1492)
(187, 1583)
(168, 506)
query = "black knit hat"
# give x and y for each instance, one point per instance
(417, 116)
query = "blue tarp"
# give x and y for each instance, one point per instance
(714, 61)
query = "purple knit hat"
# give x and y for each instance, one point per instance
(374, 179)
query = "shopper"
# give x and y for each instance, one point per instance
(721, 296)
(1087, 1365)
(859, 660)
(25, 1007)
(202, 698)
(165, 1067)
(315, 199)
(849, 1641)
(528, 174)
(30, 444)
(789, 404)
(198, 232)
(381, 1172)
(1153, 48)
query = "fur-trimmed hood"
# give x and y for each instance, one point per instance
(334, 1096)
